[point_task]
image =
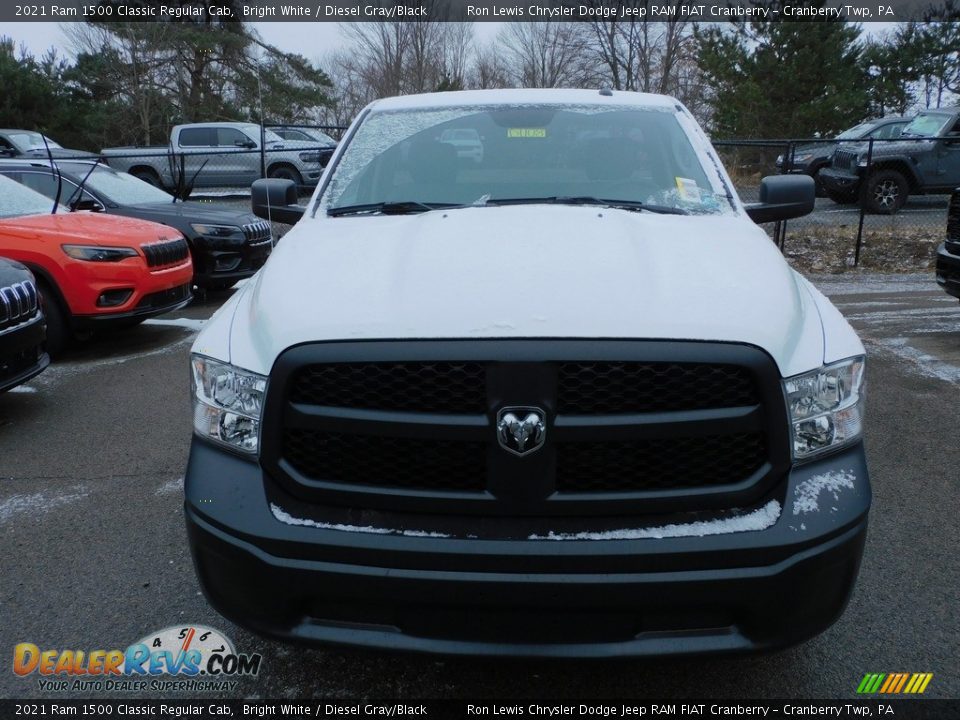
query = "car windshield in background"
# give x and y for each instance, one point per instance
(17, 200)
(31, 141)
(638, 156)
(269, 136)
(858, 131)
(121, 188)
(926, 125)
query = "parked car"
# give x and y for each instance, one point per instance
(553, 408)
(22, 329)
(30, 144)
(926, 162)
(304, 134)
(226, 245)
(811, 158)
(466, 141)
(221, 154)
(948, 254)
(92, 270)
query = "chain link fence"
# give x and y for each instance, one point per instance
(881, 203)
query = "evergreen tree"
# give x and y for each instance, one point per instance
(772, 79)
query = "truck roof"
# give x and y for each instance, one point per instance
(548, 96)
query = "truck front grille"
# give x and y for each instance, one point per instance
(413, 424)
(386, 461)
(427, 387)
(19, 303)
(258, 233)
(845, 160)
(659, 464)
(167, 252)
(953, 217)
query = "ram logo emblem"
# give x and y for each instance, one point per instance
(521, 430)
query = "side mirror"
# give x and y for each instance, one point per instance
(88, 204)
(8, 152)
(276, 199)
(248, 144)
(783, 197)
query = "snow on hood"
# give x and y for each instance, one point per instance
(528, 271)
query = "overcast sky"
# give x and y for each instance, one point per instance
(313, 40)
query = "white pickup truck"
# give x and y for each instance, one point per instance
(564, 400)
(222, 154)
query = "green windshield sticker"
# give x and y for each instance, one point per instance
(526, 132)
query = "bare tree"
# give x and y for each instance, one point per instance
(548, 54)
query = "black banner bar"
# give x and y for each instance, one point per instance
(875, 707)
(459, 10)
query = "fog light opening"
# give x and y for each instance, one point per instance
(113, 298)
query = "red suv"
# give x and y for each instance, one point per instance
(92, 270)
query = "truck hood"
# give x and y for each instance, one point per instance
(86, 227)
(188, 212)
(524, 272)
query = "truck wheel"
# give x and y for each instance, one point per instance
(285, 172)
(147, 175)
(885, 192)
(58, 333)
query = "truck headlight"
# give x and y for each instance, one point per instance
(230, 232)
(826, 407)
(227, 403)
(311, 157)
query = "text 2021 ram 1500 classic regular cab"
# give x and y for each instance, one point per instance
(565, 401)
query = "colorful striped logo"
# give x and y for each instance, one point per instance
(893, 683)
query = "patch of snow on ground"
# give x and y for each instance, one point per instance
(287, 518)
(22, 389)
(37, 503)
(806, 494)
(923, 362)
(759, 519)
(186, 323)
(171, 486)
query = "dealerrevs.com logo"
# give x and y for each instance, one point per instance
(176, 658)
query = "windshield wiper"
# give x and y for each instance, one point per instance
(635, 205)
(398, 207)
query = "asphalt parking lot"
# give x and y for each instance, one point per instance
(92, 454)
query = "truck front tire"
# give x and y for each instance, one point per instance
(885, 192)
(147, 175)
(285, 172)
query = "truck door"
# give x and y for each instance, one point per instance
(197, 145)
(238, 164)
(948, 157)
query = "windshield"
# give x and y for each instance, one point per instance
(30, 141)
(269, 136)
(926, 125)
(857, 131)
(17, 200)
(524, 152)
(121, 188)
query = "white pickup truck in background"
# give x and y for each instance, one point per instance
(222, 154)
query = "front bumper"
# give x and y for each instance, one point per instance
(948, 268)
(358, 585)
(22, 353)
(839, 180)
(214, 264)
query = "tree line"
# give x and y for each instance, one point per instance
(128, 83)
